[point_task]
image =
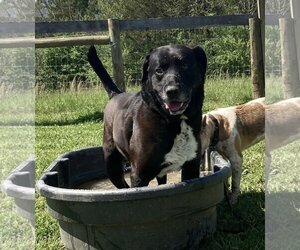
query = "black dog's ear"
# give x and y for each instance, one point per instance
(145, 69)
(201, 59)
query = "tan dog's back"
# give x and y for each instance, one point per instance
(251, 122)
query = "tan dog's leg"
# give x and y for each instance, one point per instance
(236, 167)
(235, 157)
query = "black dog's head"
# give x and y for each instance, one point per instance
(173, 73)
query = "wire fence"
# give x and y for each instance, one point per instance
(16, 69)
(227, 48)
(67, 67)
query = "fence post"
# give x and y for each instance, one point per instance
(116, 53)
(295, 13)
(261, 4)
(290, 74)
(257, 59)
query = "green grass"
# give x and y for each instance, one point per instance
(70, 107)
(226, 92)
(16, 145)
(70, 120)
(284, 169)
(282, 198)
(16, 232)
(17, 108)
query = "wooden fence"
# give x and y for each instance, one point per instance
(115, 27)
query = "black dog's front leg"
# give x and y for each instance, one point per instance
(161, 180)
(191, 170)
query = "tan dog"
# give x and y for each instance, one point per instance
(234, 129)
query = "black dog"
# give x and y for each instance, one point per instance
(157, 129)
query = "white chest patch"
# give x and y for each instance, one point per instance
(184, 149)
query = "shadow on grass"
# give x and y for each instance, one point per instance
(242, 227)
(17, 123)
(94, 117)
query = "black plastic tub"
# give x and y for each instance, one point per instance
(171, 216)
(19, 185)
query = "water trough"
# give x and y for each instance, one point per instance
(171, 216)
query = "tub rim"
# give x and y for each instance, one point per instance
(14, 190)
(140, 193)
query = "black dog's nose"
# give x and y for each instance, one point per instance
(172, 91)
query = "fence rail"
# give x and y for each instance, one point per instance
(71, 27)
(71, 41)
(182, 22)
(127, 25)
(17, 27)
(22, 42)
(17, 42)
(142, 24)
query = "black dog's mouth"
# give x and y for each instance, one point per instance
(176, 107)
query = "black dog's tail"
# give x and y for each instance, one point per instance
(109, 85)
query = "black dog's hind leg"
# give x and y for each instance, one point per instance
(114, 166)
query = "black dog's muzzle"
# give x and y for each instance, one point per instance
(174, 96)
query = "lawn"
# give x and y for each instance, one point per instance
(16, 145)
(282, 198)
(70, 120)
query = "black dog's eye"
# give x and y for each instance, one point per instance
(159, 71)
